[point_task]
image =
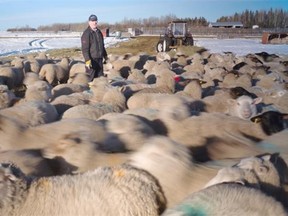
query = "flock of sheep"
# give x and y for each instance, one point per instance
(157, 135)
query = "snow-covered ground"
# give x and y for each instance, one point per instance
(23, 43)
(240, 46)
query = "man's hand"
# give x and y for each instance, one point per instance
(88, 64)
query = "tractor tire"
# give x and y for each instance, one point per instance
(167, 43)
(159, 46)
(188, 41)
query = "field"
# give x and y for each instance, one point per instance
(142, 44)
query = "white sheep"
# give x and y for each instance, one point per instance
(228, 199)
(243, 107)
(121, 190)
(263, 171)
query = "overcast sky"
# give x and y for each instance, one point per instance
(19, 13)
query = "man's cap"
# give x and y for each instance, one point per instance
(93, 17)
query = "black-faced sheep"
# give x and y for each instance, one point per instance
(272, 121)
(33, 163)
(121, 190)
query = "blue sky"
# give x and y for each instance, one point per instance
(19, 13)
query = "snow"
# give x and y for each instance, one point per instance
(23, 43)
(240, 46)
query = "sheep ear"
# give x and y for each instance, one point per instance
(241, 182)
(266, 157)
(256, 119)
(6, 174)
(257, 100)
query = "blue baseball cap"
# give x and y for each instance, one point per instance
(93, 17)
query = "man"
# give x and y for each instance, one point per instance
(93, 49)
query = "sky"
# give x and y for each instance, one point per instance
(34, 13)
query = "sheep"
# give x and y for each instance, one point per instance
(243, 107)
(236, 175)
(192, 89)
(33, 163)
(219, 136)
(165, 83)
(89, 111)
(38, 91)
(12, 76)
(79, 152)
(79, 78)
(30, 78)
(66, 89)
(227, 199)
(131, 130)
(120, 190)
(7, 97)
(16, 136)
(32, 113)
(77, 68)
(271, 121)
(65, 102)
(263, 170)
(112, 101)
(172, 164)
(155, 100)
(55, 73)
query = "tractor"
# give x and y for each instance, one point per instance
(176, 34)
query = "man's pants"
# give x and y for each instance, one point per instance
(97, 65)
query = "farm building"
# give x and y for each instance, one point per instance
(226, 25)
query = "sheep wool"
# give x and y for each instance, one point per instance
(121, 190)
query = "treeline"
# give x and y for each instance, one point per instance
(274, 18)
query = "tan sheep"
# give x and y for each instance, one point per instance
(172, 164)
(55, 73)
(79, 152)
(7, 97)
(32, 113)
(33, 163)
(121, 190)
(16, 136)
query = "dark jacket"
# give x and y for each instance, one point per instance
(92, 44)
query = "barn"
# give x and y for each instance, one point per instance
(226, 25)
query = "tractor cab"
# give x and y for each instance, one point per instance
(176, 34)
